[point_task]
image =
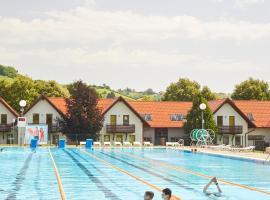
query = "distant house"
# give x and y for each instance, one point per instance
(8, 117)
(240, 123)
(45, 110)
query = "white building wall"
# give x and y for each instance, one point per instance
(10, 117)
(172, 133)
(227, 110)
(120, 109)
(176, 132)
(43, 108)
(259, 131)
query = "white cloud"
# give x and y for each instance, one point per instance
(242, 3)
(108, 40)
(85, 25)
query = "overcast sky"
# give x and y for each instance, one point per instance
(137, 43)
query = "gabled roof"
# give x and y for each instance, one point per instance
(128, 104)
(161, 112)
(9, 107)
(58, 103)
(259, 109)
(217, 104)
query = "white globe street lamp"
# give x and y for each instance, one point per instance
(202, 107)
(22, 104)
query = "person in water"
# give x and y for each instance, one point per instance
(213, 180)
(148, 195)
(166, 194)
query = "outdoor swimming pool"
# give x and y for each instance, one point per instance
(126, 174)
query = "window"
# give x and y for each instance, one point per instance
(125, 119)
(35, 118)
(107, 138)
(219, 121)
(231, 121)
(177, 117)
(49, 119)
(131, 139)
(226, 139)
(147, 117)
(113, 119)
(3, 119)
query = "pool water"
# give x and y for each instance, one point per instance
(126, 174)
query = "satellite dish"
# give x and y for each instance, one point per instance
(202, 106)
(22, 103)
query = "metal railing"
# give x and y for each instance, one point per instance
(230, 129)
(120, 128)
(5, 127)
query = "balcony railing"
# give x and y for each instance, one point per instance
(5, 127)
(230, 129)
(120, 128)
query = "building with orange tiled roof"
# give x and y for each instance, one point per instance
(7, 122)
(240, 123)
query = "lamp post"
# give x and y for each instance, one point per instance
(22, 104)
(202, 107)
(21, 130)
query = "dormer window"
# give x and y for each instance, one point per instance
(177, 117)
(250, 116)
(147, 117)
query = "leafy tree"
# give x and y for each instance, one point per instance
(207, 94)
(14, 90)
(23, 87)
(194, 117)
(8, 71)
(149, 91)
(183, 90)
(148, 98)
(51, 88)
(252, 89)
(110, 95)
(84, 119)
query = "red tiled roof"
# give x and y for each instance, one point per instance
(59, 103)
(9, 107)
(214, 104)
(161, 111)
(259, 109)
(104, 104)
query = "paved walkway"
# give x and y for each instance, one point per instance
(253, 155)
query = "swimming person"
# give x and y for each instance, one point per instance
(166, 194)
(148, 195)
(213, 180)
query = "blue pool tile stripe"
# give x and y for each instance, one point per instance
(137, 178)
(20, 177)
(96, 168)
(107, 192)
(152, 173)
